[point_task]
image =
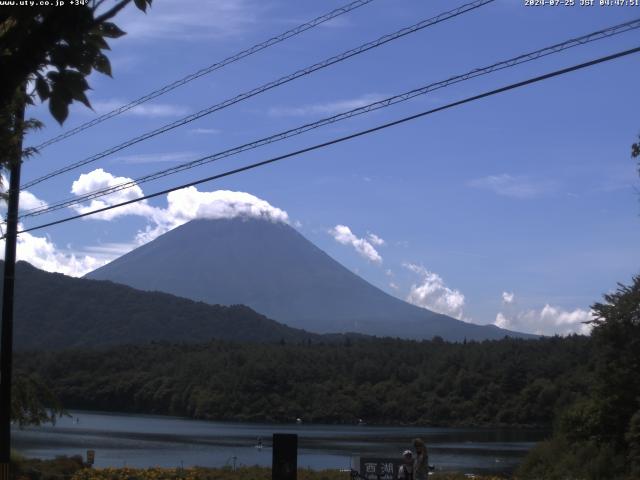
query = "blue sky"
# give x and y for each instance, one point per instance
(520, 210)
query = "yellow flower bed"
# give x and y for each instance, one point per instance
(244, 473)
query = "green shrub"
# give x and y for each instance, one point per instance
(559, 459)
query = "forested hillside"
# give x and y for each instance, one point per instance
(598, 436)
(514, 382)
(54, 311)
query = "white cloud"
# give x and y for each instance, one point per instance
(547, 321)
(175, 20)
(99, 179)
(205, 131)
(328, 108)
(158, 157)
(42, 253)
(514, 187)
(508, 298)
(109, 251)
(339, 22)
(27, 201)
(433, 294)
(375, 239)
(343, 234)
(151, 110)
(182, 205)
(189, 204)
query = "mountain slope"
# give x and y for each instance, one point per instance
(53, 311)
(273, 269)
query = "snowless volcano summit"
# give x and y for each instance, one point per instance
(272, 268)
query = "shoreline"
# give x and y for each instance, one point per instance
(150, 440)
(457, 426)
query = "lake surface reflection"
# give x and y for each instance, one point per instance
(144, 441)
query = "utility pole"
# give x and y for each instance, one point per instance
(14, 162)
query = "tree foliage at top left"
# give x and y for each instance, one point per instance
(57, 48)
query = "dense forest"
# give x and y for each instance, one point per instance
(506, 382)
(588, 388)
(598, 435)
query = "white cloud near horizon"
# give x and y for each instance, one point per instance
(42, 253)
(508, 298)
(433, 294)
(513, 186)
(343, 234)
(549, 320)
(327, 108)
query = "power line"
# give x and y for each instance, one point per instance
(207, 70)
(527, 57)
(268, 86)
(252, 166)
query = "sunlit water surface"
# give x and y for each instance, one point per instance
(144, 441)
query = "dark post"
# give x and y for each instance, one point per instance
(284, 465)
(6, 338)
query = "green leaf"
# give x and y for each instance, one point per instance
(81, 97)
(72, 85)
(74, 80)
(83, 60)
(99, 42)
(42, 87)
(53, 75)
(33, 124)
(141, 4)
(101, 64)
(111, 30)
(59, 108)
(59, 56)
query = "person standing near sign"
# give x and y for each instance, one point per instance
(420, 460)
(405, 472)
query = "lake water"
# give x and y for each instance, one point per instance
(144, 441)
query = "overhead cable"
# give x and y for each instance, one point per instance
(268, 86)
(207, 70)
(361, 133)
(524, 58)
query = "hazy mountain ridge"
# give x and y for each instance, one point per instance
(275, 270)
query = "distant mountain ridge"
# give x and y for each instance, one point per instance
(273, 269)
(53, 311)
